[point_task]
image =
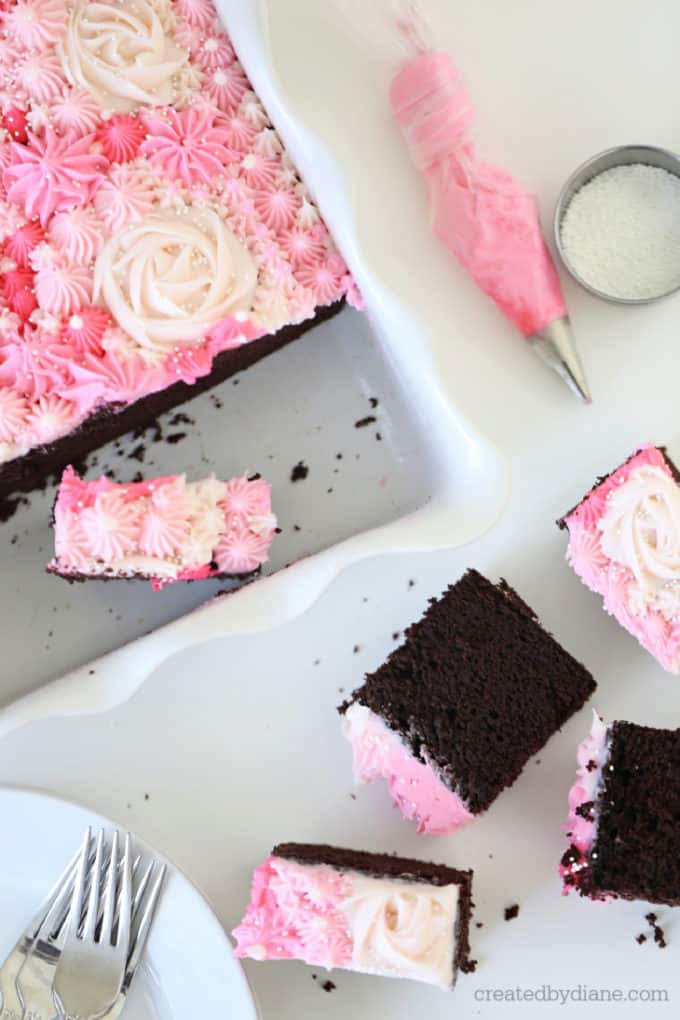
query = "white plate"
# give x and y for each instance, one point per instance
(189, 969)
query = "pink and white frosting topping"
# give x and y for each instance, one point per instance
(330, 918)
(135, 154)
(416, 789)
(624, 544)
(592, 757)
(165, 529)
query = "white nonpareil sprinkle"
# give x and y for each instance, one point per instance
(621, 232)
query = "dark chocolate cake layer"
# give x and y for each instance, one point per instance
(637, 849)
(30, 471)
(477, 688)
(386, 866)
(562, 521)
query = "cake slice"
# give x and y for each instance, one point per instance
(155, 236)
(624, 815)
(454, 714)
(162, 530)
(372, 913)
(624, 544)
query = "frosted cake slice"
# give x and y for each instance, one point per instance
(371, 913)
(454, 714)
(162, 530)
(624, 544)
(624, 815)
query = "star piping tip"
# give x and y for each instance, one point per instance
(556, 346)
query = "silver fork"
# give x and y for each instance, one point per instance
(11, 1007)
(91, 968)
(143, 910)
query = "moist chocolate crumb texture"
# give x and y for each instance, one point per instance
(626, 843)
(454, 714)
(624, 544)
(162, 530)
(155, 236)
(372, 913)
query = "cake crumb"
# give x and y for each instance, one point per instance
(338, 456)
(357, 648)
(511, 912)
(299, 472)
(328, 986)
(468, 966)
(176, 437)
(363, 422)
(373, 401)
(411, 583)
(181, 419)
(352, 796)
(396, 635)
(378, 437)
(640, 938)
(296, 527)
(479, 924)
(659, 934)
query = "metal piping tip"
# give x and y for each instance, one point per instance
(556, 346)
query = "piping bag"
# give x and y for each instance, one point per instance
(487, 219)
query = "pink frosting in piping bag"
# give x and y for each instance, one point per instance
(486, 219)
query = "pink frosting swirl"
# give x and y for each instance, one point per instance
(52, 173)
(641, 493)
(77, 235)
(14, 413)
(111, 525)
(165, 524)
(35, 24)
(294, 914)
(188, 145)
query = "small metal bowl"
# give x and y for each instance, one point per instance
(621, 155)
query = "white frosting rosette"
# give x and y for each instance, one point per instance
(641, 530)
(168, 279)
(405, 929)
(123, 53)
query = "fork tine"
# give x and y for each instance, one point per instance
(61, 889)
(110, 893)
(90, 922)
(124, 902)
(142, 931)
(135, 869)
(78, 893)
(141, 889)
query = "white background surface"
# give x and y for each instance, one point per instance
(236, 743)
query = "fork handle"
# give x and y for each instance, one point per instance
(34, 983)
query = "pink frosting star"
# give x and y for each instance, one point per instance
(245, 498)
(14, 413)
(111, 526)
(240, 550)
(35, 24)
(187, 145)
(53, 173)
(120, 137)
